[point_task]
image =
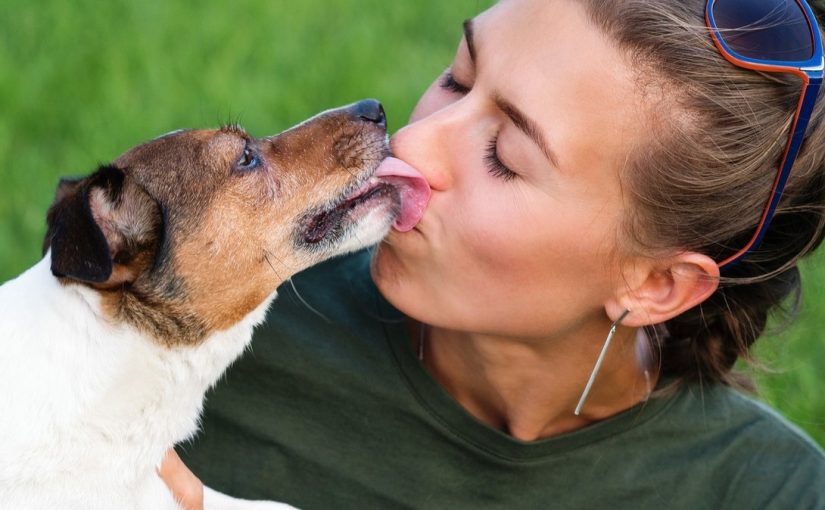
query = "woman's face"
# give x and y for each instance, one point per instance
(522, 141)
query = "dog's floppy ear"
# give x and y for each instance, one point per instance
(98, 226)
(66, 187)
(79, 248)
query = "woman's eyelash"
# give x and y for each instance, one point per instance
(494, 164)
(448, 83)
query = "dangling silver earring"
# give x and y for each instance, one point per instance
(599, 362)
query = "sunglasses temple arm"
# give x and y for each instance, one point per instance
(803, 115)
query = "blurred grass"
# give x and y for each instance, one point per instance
(82, 81)
(794, 356)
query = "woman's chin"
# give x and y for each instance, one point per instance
(388, 270)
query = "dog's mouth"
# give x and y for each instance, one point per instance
(393, 184)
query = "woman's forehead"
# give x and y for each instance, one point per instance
(549, 60)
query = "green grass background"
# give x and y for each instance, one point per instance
(82, 81)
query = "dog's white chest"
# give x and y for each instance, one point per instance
(89, 408)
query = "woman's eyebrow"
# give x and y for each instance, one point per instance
(527, 126)
(521, 121)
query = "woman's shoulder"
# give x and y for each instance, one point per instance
(722, 409)
(749, 451)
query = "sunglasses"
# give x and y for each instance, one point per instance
(773, 36)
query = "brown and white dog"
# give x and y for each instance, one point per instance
(156, 269)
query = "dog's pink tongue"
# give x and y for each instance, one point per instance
(411, 185)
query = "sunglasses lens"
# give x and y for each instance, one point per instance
(765, 29)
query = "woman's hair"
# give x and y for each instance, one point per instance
(701, 181)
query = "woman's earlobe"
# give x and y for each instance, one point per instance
(666, 290)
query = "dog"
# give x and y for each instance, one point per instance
(156, 269)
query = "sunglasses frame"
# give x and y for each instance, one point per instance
(811, 74)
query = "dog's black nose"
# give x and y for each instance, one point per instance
(371, 111)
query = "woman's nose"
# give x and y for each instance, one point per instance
(431, 145)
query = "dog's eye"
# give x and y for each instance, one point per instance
(249, 160)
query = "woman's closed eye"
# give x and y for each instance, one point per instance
(494, 164)
(448, 83)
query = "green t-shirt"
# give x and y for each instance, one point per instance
(332, 410)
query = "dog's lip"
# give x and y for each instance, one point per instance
(319, 226)
(390, 178)
(361, 188)
(412, 188)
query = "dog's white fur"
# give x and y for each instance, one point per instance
(88, 408)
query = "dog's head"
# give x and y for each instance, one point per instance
(189, 232)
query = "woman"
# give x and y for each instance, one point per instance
(593, 164)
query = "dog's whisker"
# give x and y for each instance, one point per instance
(304, 301)
(266, 257)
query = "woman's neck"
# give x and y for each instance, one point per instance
(529, 389)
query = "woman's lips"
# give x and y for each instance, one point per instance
(413, 190)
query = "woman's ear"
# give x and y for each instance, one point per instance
(657, 291)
